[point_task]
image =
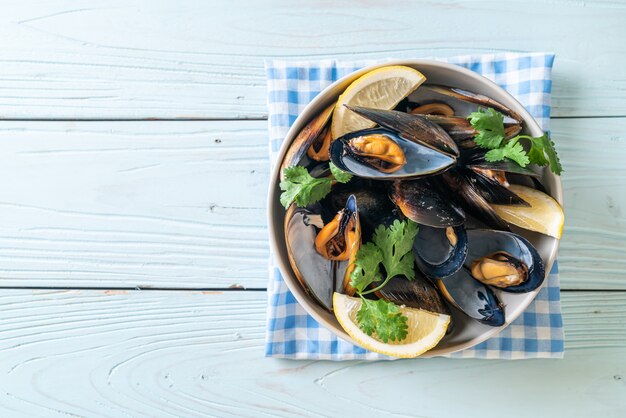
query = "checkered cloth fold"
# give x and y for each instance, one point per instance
(291, 332)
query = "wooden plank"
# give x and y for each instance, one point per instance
(133, 204)
(182, 204)
(164, 353)
(205, 59)
(594, 239)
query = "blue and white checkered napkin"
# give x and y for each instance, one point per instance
(291, 332)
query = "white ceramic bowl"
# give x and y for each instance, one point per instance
(466, 332)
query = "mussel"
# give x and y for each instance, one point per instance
(504, 260)
(499, 269)
(308, 139)
(375, 208)
(404, 146)
(418, 293)
(460, 182)
(322, 256)
(435, 108)
(415, 128)
(472, 298)
(476, 160)
(449, 108)
(318, 150)
(492, 185)
(421, 201)
(440, 252)
(378, 150)
(477, 184)
(463, 102)
(337, 238)
(461, 130)
(381, 154)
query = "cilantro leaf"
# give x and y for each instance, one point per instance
(340, 175)
(393, 248)
(383, 318)
(513, 150)
(304, 189)
(542, 152)
(536, 154)
(301, 187)
(490, 134)
(366, 268)
(489, 126)
(555, 162)
(396, 245)
(365, 317)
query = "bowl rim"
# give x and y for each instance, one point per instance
(304, 117)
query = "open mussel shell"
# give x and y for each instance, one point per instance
(458, 128)
(492, 186)
(463, 102)
(351, 221)
(472, 298)
(314, 272)
(461, 187)
(375, 208)
(462, 132)
(421, 201)
(483, 242)
(415, 128)
(420, 160)
(440, 252)
(318, 275)
(312, 132)
(489, 178)
(318, 150)
(418, 293)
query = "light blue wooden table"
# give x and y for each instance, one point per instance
(134, 173)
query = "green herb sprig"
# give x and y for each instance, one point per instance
(304, 189)
(391, 247)
(489, 125)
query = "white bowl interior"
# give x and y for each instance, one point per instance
(466, 332)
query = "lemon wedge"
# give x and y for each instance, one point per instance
(382, 88)
(426, 329)
(544, 215)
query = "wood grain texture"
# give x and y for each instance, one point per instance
(133, 204)
(197, 59)
(193, 354)
(182, 204)
(592, 249)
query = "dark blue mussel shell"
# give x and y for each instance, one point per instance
(440, 252)
(317, 275)
(415, 128)
(472, 298)
(421, 160)
(418, 293)
(375, 208)
(483, 242)
(421, 201)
